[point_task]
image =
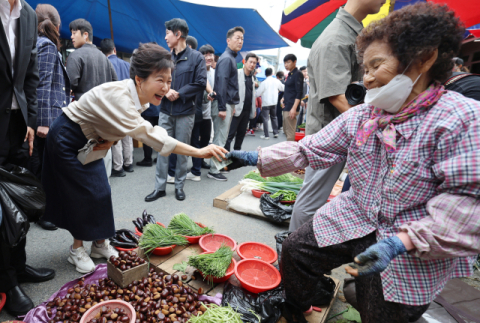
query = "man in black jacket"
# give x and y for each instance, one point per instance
(18, 115)
(226, 89)
(177, 109)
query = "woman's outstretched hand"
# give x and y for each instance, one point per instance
(377, 257)
(213, 151)
(242, 158)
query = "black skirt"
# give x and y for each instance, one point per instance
(78, 196)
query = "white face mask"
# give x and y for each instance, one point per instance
(393, 95)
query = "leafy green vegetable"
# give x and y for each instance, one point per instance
(285, 178)
(181, 266)
(287, 195)
(352, 315)
(272, 187)
(182, 224)
(255, 176)
(302, 125)
(155, 236)
(217, 314)
(213, 264)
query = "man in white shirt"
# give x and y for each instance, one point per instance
(268, 90)
(18, 117)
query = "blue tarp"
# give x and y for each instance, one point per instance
(136, 21)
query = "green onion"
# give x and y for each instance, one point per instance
(287, 195)
(272, 187)
(217, 314)
(182, 224)
(255, 176)
(213, 264)
(155, 236)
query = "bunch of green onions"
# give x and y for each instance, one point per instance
(213, 264)
(183, 225)
(217, 314)
(272, 187)
(155, 236)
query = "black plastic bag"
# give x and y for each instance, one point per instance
(15, 224)
(274, 210)
(279, 238)
(270, 303)
(242, 301)
(25, 190)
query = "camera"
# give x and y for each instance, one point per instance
(355, 93)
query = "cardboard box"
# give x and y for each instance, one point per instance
(123, 278)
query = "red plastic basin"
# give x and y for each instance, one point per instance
(124, 249)
(255, 250)
(162, 251)
(113, 304)
(259, 193)
(195, 239)
(299, 136)
(3, 299)
(212, 242)
(228, 274)
(138, 233)
(287, 202)
(257, 276)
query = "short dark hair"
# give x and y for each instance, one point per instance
(206, 49)
(268, 72)
(280, 74)
(232, 31)
(82, 25)
(177, 24)
(192, 41)
(303, 68)
(414, 33)
(250, 55)
(107, 45)
(290, 57)
(149, 58)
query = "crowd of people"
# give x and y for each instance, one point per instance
(409, 218)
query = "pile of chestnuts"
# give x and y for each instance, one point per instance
(107, 314)
(126, 260)
(158, 298)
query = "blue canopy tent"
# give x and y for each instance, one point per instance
(143, 21)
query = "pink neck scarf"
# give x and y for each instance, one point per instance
(384, 120)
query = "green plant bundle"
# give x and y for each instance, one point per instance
(255, 176)
(287, 195)
(155, 236)
(272, 187)
(213, 264)
(218, 314)
(302, 125)
(285, 178)
(182, 224)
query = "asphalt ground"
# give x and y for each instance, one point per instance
(50, 248)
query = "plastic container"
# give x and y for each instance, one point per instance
(299, 136)
(256, 250)
(257, 276)
(162, 251)
(287, 202)
(3, 299)
(123, 249)
(212, 242)
(129, 310)
(302, 130)
(228, 274)
(259, 193)
(138, 233)
(195, 239)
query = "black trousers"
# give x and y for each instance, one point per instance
(35, 162)
(15, 151)
(147, 150)
(303, 262)
(238, 128)
(200, 138)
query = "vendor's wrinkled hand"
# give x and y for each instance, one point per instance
(213, 151)
(376, 258)
(103, 144)
(242, 158)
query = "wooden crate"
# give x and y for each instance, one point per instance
(123, 278)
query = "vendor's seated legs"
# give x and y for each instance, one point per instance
(303, 265)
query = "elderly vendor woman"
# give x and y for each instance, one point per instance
(411, 219)
(78, 194)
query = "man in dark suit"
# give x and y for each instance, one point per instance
(18, 112)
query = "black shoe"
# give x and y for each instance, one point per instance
(18, 303)
(118, 173)
(35, 275)
(205, 165)
(128, 169)
(218, 177)
(155, 160)
(47, 225)
(179, 194)
(145, 163)
(155, 195)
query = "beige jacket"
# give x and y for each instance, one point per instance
(112, 111)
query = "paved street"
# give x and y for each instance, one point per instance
(50, 249)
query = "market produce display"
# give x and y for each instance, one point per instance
(124, 238)
(183, 225)
(108, 314)
(219, 314)
(159, 298)
(126, 260)
(302, 126)
(287, 195)
(141, 222)
(155, 236)
(300, 172)
(286, 178)
(213, 264)
(272, 187)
